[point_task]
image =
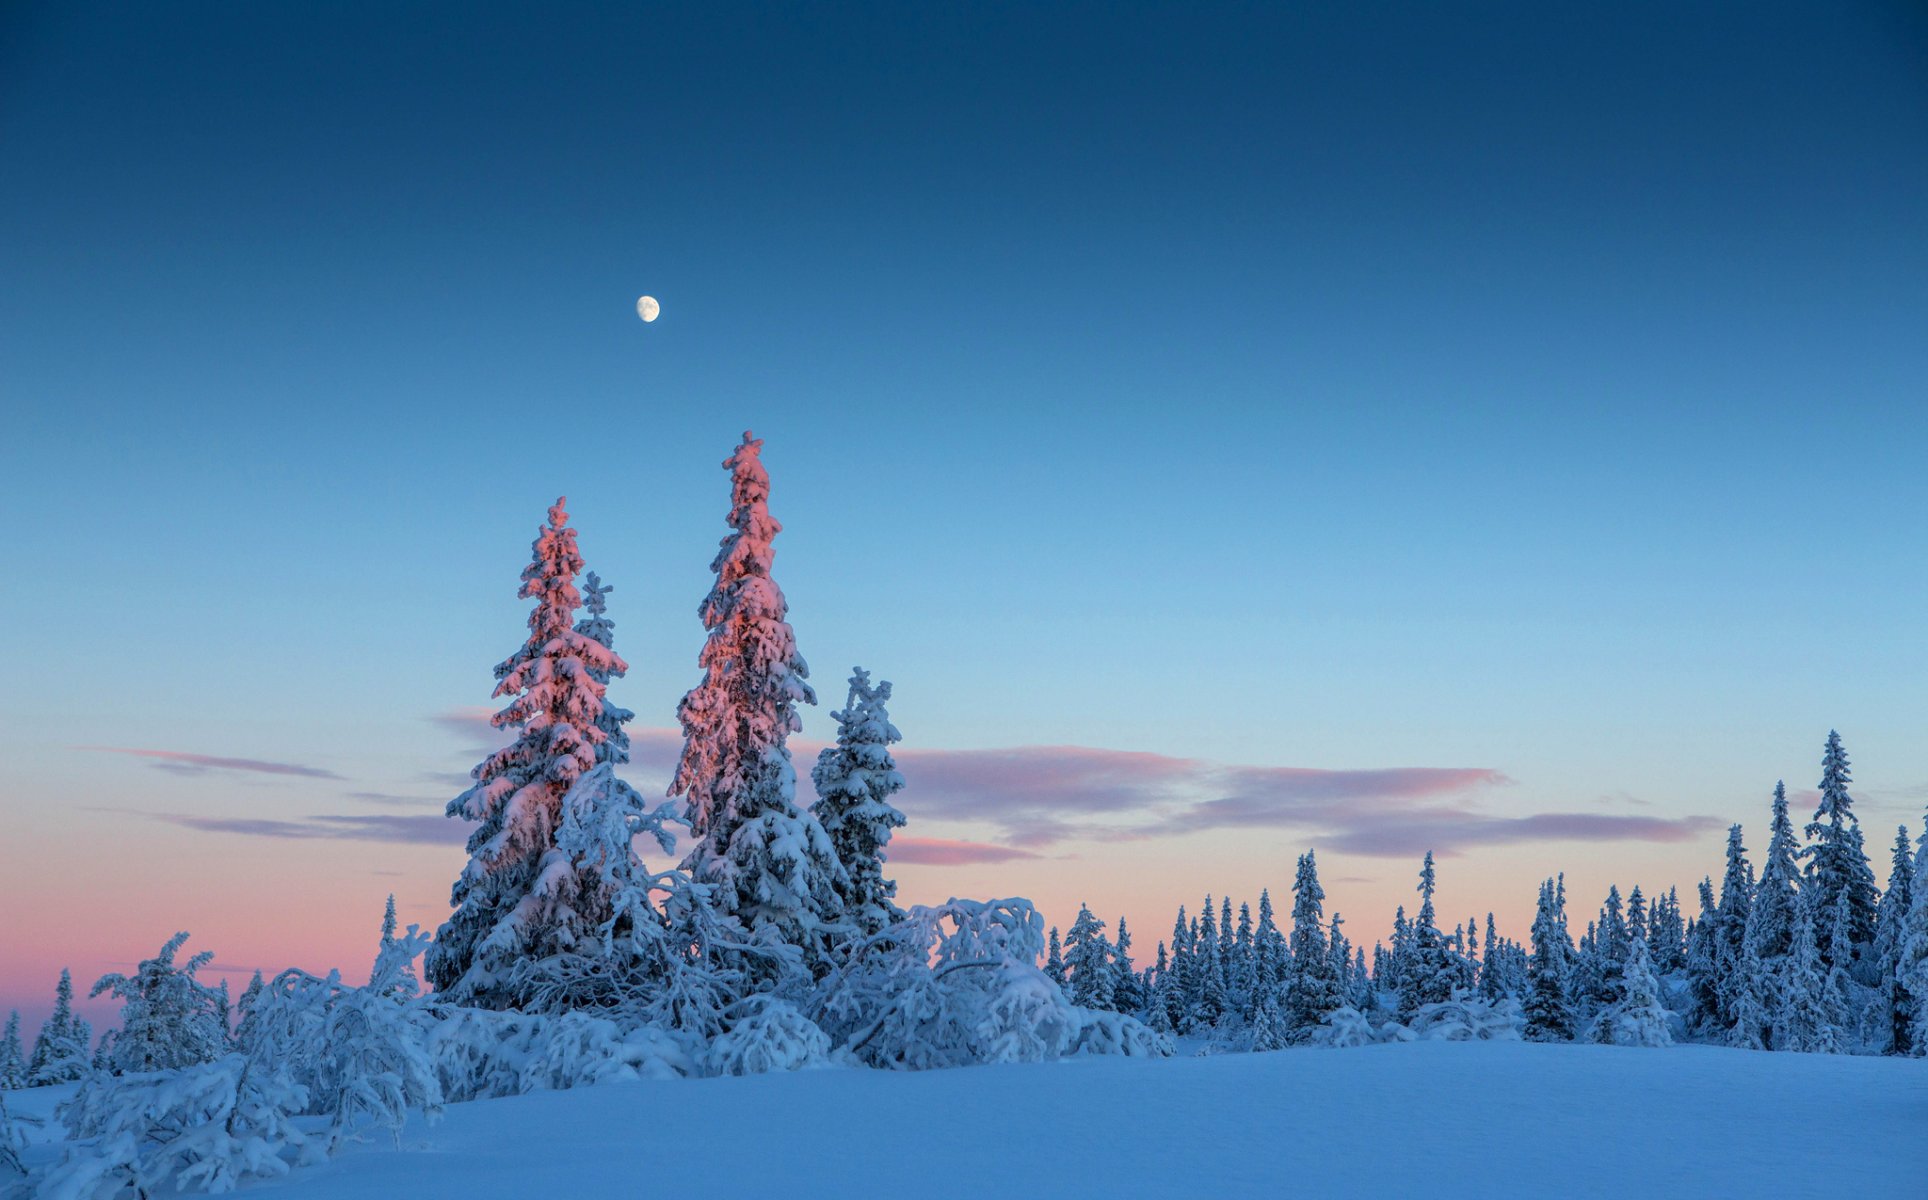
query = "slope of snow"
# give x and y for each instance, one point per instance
(1490, 1119)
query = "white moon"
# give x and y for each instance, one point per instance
(647, 308)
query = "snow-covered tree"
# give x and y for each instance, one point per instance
(60, 1053)
(1312, 985)
(169, 1019)
(1091, 982)
(1638, 1018)
(1732, 978)
(1890, 929)
(1268, 1032)
(1548, 1008)
(1270, 952)
(1430, 972)
(1700, 962)
(1838, 861)
(13, 1065)
(1911, 961)
(770, 863)
(1771, 919)
(1807, 1010)
(598, 628)
(1127, 989)
(855, 780)
(1054, 959)
(521, 897)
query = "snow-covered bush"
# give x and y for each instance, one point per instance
(482, 1053)
(1345, 1027)
(1466, 1018)
(12, 1142)
(1102, 1033)
(208, 1127)
(60, 1052)
(169, 1018)
(359, 1053)
(958, 983)
(769, 1035)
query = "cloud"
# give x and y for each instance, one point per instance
(179, 760)
(359, 827)
(947, 852)
(395, 801)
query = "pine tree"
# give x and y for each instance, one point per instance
(855, 780)
(1548, 1011)
(1911, 961)
(1269, 951)
(1492, 974)
(597, 627)
(1429, 974)
(60, 1052)
(13, 1065)
(1268, 1031)
(1127, 991)
(1732, 980)
(1167, 1004)
(771, 864)
(1054, 959)
(1808, 1014)
(169, 1019)
(1312, 988)
(1638, 1018)
(1703, 971)
(1838, 862)
(1890, 929)
(1088, 967)
(519, 897)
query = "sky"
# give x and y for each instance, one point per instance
(1495, 428)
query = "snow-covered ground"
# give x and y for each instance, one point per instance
(1489, 1119)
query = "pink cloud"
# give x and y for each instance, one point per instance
(948, 852)
(180, 760)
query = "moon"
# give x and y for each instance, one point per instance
(647, 308)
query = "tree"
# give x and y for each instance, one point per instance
(60, 1052)
(13, 1065)
(1911, 962)
(1890, 929)
(1270, 953)
(1771, 919)
(1730, 944)
(1088, 966)
(598, 628)
(1268, 1032)
(1548, 1011)
(1808, 1012)
(1430, 972)
(1638, 1018)
(855, 780)
(1127, 989)
(1703, 971)
(1312, 987)
(520, 897)
(1054, 960)
(1838, 862)
(771, 864)
(169, 1019)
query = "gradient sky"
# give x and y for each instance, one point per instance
(1492, 426)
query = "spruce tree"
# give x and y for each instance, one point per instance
(855, 780)
(520, 898)
(597, 627)
(13, 1064)
(1890, 929)
(1732, 979)
(1269, 951)
(1492, 975)
(770, 863)
(1430, 972)
(60, 1053)
(1838, 861)
(1268, 1027)
(1312, 988)
(1087, 961)
(1127, 989)
(1548, 1011)
(1703, 971)
(1911, 961)
(1639, 1018)
(1054, 959)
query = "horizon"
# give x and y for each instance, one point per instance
(1488, 433)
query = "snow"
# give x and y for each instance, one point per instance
(1480, 1119)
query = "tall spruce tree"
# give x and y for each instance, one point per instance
(1548, 1010)
(1892, 922)
(60, 1053)
(13, 1059)
(1838, 861)
(520, 898)
(1087, 961)
(1430, 972)
(1312, 989)
(1733, 978)
(771, 864)
(855, 780)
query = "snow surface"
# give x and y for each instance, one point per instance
(1487, 1119)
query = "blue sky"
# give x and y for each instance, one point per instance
(1390, 386)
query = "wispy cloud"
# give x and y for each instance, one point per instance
(358, 827)
(948, 852)
(182, 761)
